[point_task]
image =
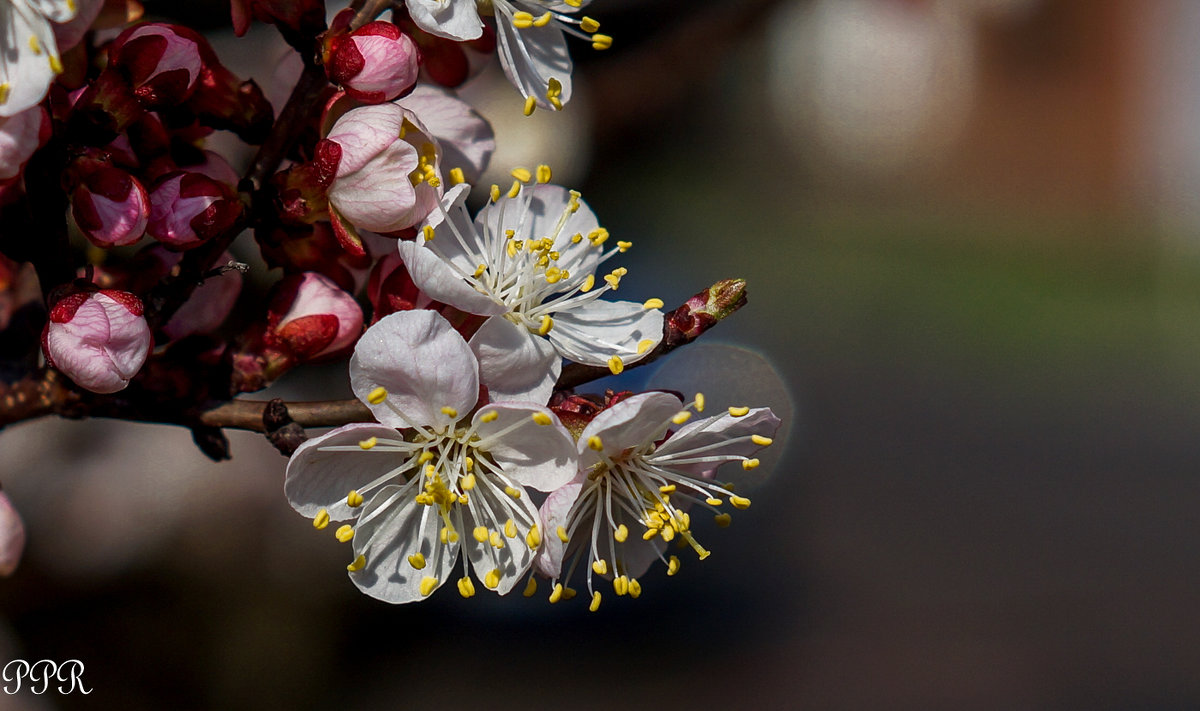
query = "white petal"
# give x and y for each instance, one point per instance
(423, 364)
(466, 138)
(535, 213)
(452, 19)
(593, 332)
(515, 364)
(387, 539)
(538, 456)
(318, 480)
(532, 57)
(635, 421)
(439, 281)
(514, 559)
(26, 74)
(554, 512)
(724, 428)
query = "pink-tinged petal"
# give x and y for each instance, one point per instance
(730, 432)
(364, 132)
(19, 138)
(594, 332)
(452, 19)
(110, 207)
(635, 421)
(391, 528)
(209, 304)
(375, 67)
(25, 74)
(440, 282)
(531, 57)
(423, 363)
(317, 479)
(70, 32)
(515, 364)
(12, 536)
(99, 340)
(554, 512)
(514, 559)
(539, 456)
(466, 138)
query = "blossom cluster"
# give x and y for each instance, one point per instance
(466, 326)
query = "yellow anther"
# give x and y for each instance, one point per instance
(597, 236)
(368, 443)
(377, 396)
(543, 20)
(650, 533)
(468, 464)
(543, 173)
(739, 411)
(760, 440)
(530, 587)
(344, 533)
(480, 533)
(621, 533)
(496, 540)
(522, 174)
(713, 502)
(510, 528)
(644, 345)
(613, 281)
(600, 566)
(568, 593)
(533, 539)
(595, 601)
(620, 585)
(428, 585)
(615, 364)
(668, 534)
(490, 416)
(417, 560)
(448, 535)
(557, 593)
(429, 232)
(547, 324)
(466, 586)
(513, 491)
(55, 65)
(354, 499)
(522, 20)
(623, 246)
(321, 520)
(5, 88)
(35, 44)
(588, 283)
(562, 534)
(739, 502)
(554, 93)
(494, 191)
(601, 41)
(654, 303)
(635, 588)
(700, 403)
(457, 177)
(673, 565)
(515, 189)
(576, 238)
(530, 105)
(467, 482)
(681, 417)
(749, 464)
(723, 520)
(574, 3)
(463, 499)
(449, 411)
(541, 418)
(588, 25)
(358, 564)
(595, 444)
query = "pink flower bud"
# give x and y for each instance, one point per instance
(187, 209)
(312, 317)
(99, 339)
(375, 63)
(20, 136)
(110, 207)
(12, 536)
(161, 62)
(209, 305)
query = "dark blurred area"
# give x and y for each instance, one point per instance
(971, 231)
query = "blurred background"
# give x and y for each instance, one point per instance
(971, 230)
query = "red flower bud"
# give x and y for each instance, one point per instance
(161, 62)
(375, 63)
(311, 317)
(110, 207)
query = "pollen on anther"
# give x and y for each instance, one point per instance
(673, 565)
(594, 443)
(699, 402)
(644, 346)
(655, 303)
(530, 105)
(466, 587)
(513, 491)
(547, 324)
(417, 560)
(713, 502)
(490, 416)
(492, 580)
(760, 440)
(723, 520)
(749, 464)
(621, 533)
(345, 533)
(616, 365)
(522, 174)
(562, 534)
(428, 585)
(635, 588)
(623, 246)
(457, 177)
(601, 41)
(543, 173)
(357, 564)
(515, 189)
(533, 539)
(589, 25)
(620, 585)
(449, 411)
(600, 566)
(588, 283)
(494, 192)
(541, 418)
(530, 587)
(377, 396)
(739, 502)
(495, 540)
(557, 593)
(480, 533)
(321, 520)
(510, 528)
(681, 417)
(354, 499)
(739, 411)
(595, 601)
(368, 442)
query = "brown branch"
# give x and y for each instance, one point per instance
(248, 414)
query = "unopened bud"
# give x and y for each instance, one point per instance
(99, 339)
(210, 304)
(374, 63)
(311, 317)
(705, 309)
(187, 209)
(110, 207)
(161, 62)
